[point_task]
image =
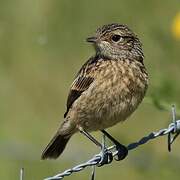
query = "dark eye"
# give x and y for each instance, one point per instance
(116, 38)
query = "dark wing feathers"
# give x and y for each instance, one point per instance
(80, 85)
(82, 82)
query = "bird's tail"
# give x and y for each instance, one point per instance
(56, 146)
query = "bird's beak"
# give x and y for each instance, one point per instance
(91, 39)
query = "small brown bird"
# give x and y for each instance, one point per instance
(107, 89)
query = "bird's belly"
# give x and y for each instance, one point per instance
(111, 111)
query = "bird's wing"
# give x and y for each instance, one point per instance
(82, 81)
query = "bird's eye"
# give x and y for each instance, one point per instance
(116, 38)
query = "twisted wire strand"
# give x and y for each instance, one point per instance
(173, 128)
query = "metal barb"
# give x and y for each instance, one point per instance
(174, 117)
(93, 172)
(176, 129)
(22, 174)
(173, 128)
(169, 141)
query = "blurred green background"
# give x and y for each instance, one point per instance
(42, 46)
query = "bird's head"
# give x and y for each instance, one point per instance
(116, 41)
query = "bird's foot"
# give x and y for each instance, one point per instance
(106, 157)
(122, 151)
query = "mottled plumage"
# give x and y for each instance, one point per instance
(108, 87)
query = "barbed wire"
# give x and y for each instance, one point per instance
(173, 130)
(21, 173)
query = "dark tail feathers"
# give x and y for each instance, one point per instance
(55, 147)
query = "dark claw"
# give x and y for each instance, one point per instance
(106, 158)
(122, 152)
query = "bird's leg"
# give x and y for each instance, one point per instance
(90, 137)
(106, 156)
(122, 150)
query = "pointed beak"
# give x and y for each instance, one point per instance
(91, 39)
